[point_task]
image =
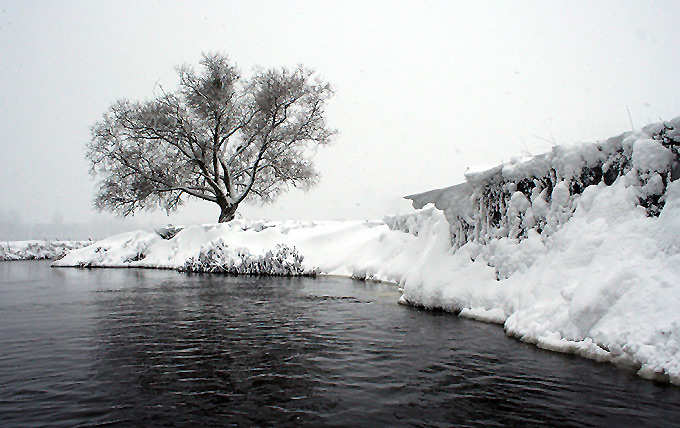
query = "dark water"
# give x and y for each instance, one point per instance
(159, 348)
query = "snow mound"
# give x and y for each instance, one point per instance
(37, 250)
(576, 250)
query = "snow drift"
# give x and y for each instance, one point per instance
(576, 250)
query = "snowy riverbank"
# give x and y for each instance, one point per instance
(37, 250)
(576, 250)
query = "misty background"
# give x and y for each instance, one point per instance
(423, 90)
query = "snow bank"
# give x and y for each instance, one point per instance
(359, 249)
(37, 250)
(576, 250)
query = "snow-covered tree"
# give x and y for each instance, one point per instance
(218, 137)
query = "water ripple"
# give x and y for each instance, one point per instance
(157, 348)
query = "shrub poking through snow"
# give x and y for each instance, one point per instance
(168, 232)
(38, 250)
(217, 257)
(655, 183)
(670, 139)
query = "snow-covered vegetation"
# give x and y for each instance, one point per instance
(37, 250)
(576, 250)
(217, 257)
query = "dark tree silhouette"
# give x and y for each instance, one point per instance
(219, 138)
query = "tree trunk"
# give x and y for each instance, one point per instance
(227, 214)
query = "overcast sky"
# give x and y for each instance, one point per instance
(423, 89)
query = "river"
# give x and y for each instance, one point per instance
(130, 347)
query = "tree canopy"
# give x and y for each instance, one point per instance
(218, 137)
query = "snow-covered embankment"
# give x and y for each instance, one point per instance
(37, 250)
(576, 250)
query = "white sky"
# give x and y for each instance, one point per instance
(423, 89)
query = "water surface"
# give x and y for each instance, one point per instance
(134, 347)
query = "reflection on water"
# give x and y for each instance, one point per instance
(159, 348)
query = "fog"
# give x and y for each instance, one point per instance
(423, 90)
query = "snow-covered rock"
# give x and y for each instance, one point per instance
(576, 250)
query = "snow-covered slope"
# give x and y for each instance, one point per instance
(576, 250)
(583, 246)
(367, 250)
(37, 250)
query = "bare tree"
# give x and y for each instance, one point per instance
(219, 138)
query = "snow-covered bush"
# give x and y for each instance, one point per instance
(37, 250)
(655, 178)
(541, 193)
(669, 137)
(217, 257)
